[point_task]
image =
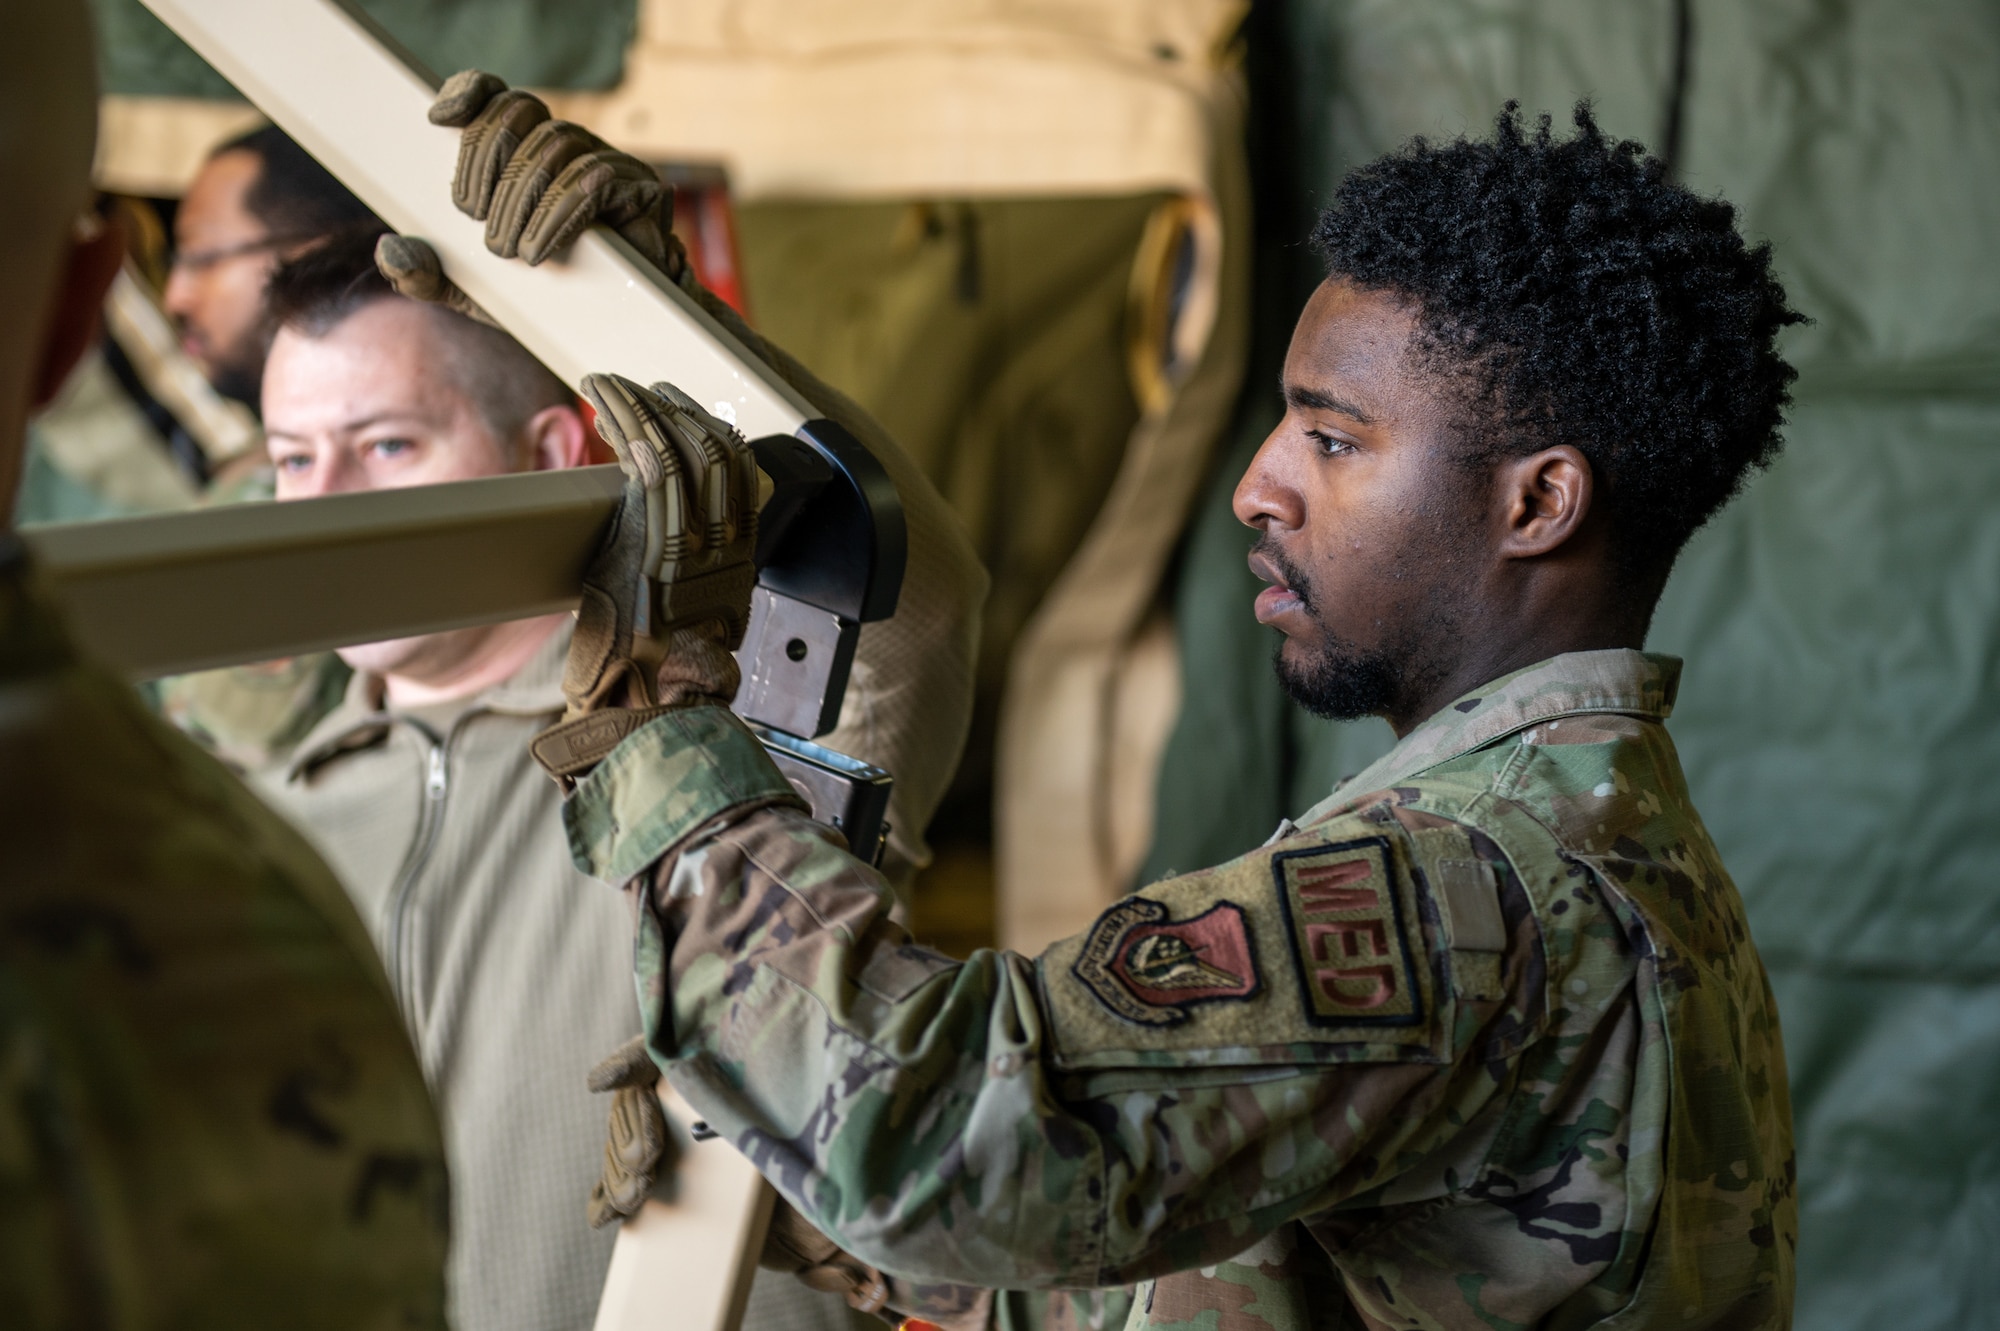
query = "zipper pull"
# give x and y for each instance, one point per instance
(434, 782)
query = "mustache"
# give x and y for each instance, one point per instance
(1296, 579)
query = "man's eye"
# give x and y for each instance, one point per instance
(389, 448)
(293, 462)
(1327, 444)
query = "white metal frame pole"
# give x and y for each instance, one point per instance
(173, 592)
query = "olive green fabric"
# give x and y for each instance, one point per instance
(210, 1115)
(1840, 715)
(546, 43)
(989, 338)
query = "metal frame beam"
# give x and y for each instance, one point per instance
(175, 592)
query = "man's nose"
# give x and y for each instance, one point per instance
(178, 299)
(1263, 500)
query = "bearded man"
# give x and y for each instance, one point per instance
(1481, 1039)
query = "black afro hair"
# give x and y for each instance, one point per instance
(1585, 299)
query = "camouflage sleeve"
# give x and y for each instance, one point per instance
(1308, 1027)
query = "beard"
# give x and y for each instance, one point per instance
(1344, 681)
(238, 374)
(236, 371)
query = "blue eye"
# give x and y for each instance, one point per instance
(390, 448)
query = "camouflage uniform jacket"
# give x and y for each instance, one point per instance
(210, 1116)
(1481, 1042)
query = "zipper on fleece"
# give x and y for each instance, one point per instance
(437, 785)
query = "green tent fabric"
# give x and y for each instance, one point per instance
(1840, 714)
(546, 43)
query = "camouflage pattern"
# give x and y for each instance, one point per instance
(253, 717)
(210, 1115)
(1482, 1041)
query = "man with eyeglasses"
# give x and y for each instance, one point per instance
(258, 201)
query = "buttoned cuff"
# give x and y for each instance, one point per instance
(666, 779)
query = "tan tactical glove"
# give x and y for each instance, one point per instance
(537, 182)
(637, 1144)
(792, 1245)
(667, 597)
(414, 270)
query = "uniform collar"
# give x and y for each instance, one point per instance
(361, 719)
(1620, 681)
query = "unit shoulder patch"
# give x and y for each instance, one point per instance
(1147, 968)
(1313, 950)
(1353, 938)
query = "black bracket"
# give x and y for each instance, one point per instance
(831, 552)
(832, 534)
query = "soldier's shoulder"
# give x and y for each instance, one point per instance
(1359, 938)
(117, 807)
(179, 943)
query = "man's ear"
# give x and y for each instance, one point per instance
(1547, 496)
(557, 439)
(95, 254)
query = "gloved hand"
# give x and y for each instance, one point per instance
(414, 270)
(637, 1144)
(667, 597)
(538, 182)
(794, 1246)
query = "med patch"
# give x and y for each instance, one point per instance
(1353, 935)
(1206, 970)
(1148, 968)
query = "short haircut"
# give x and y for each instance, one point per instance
(294, 196)
(1586, 299)
(318, 291)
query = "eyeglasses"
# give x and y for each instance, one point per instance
(200, 261)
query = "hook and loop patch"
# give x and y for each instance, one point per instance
(1148, 969)
(1351, 934)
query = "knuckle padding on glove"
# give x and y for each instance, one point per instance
(525, 187)
(603, 185)
(667, 596)
(794, 1245)
(489, 145)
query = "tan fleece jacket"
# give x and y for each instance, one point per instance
(512, 971)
